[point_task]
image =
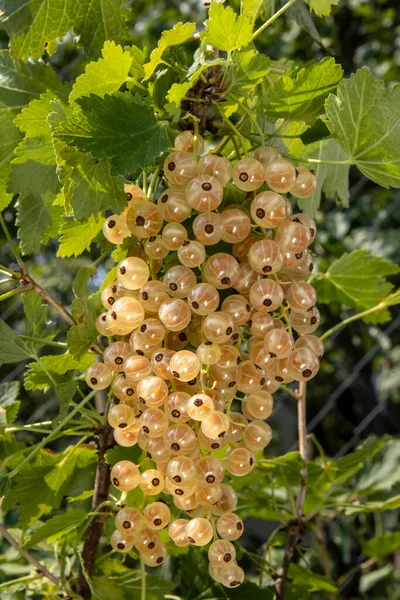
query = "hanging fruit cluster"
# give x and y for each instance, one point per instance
(202, 346)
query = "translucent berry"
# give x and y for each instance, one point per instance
(137, 367)
(126, 437)
(240, 461)
(191, 253)
(312, 342)
(180, 167)
(259, 405)
(248, 174)
(115, 229)
(208, 228)
(175, 407)
(179, 280)
(237, 225)
(154, 422)
(152, 482)
(128, 520)
(132, 273)
(221, 270)
(152, 391)
(98, 376)
(231, 576)
(270, 209)
(125, 475)
(122, 542)
(182, 470)
(173, 205)
(156, 557)
(208, 353)
(308, 222)
(266, 294)
(216, 166)
(305, 321)
(257, 435)
(265, 257)
(247, 276)
(116, 354)
(303, 364)
(185, 365)
(278, 342)
(210, 471)
(280, 176)
(238, 423)
(203, 298)
(146, 539)
(204, 193)
(301, 296)
(156, 515)
(217, 425)
(292, 237)
(174, 314)
(174, 234)
(306, 183)
(218, 327)
(177, 533)
(152, 295)
(144, 219)
(121, 416)
(229, 357)
(160, 361)
(180, 439)
(199, 531)
(266, 155)
(230, 526)
(185, 142)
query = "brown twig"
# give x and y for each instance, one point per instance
(296, 526)
(31, 559)
(48, 298)
(94, 531)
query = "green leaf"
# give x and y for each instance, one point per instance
(76, 236)
(80, 283)
(322, 8)
(382, 545)
(81, 336)
(357, 280)
(300, 95)
(57, 527)
(10, 138)
(118, 453)
(9, 391)
(61, 363)
(310, 580)
(23, 83)
(106, 75)
(12, 348)
(180, 33)
(117, 127)
(35, 25)
(89, 186)
(332, 180)
(364, 118)
(178, 91)
(36, 319)
(226, 30)
(34, 219)
(251, 8)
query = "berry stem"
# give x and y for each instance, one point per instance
(15, 291)
(273, 18)
(31, 559)
(52, 435)
(143, 573)
(14, 247)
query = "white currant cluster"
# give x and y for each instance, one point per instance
(215, 332)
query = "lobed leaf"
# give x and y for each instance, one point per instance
(117, 127)
(76, 236)
(356, 279)
(226, 30)
(364, 118)
(322, 8)
(12, 348)
(57, 527)
(180, 33)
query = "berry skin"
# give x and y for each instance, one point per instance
(125, 476)
(174, 314)
(231, 576)
(144, 219)
(156, 516)
(174, 234)
(210, 471)
(203, 299)
(221, 552)
(98, 376)
(270, 209)
(240, 461)
(301, 296)
(180, 167)
(204, 193)
(257, 435)
(305, 321)
(217, 425)
(177, 533)
(185, 365)
(303, 364)
(312, 342)
(221, 270)
(199, 531)
(121, 416)
(152, 482)
(230, 526)
(216, 166)
(185, 142)
(248, 174)
(191, 253)
(236, 224)
(128, 521)
(306, 183)
(122, 542)
(181, 470)
(280, 176)
(133, 273)
(259, 405)
(266, 155)
(115, 229)
(208, 228)
(265, 257)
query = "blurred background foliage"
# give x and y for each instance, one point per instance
(357, 392)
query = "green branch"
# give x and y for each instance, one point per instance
(53, 434)
(273, 18)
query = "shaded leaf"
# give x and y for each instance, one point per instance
(12, 348)
(56, 527)
(117, 127)
(382, 545)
